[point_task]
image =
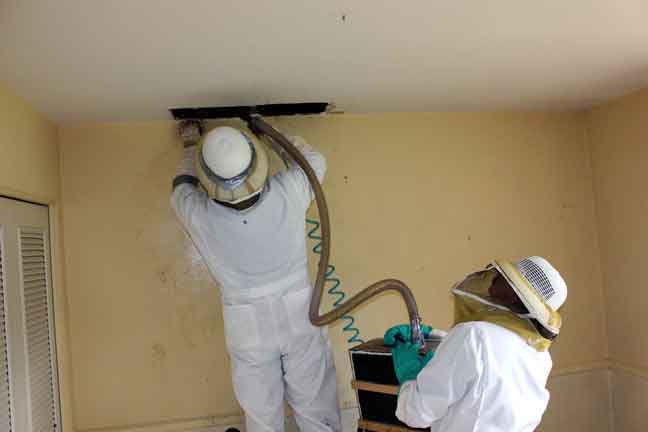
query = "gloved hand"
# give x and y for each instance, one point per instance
(403, 333)
(301, 144)
(407, 361)
(190, 132)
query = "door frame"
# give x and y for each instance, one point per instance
(61, 352)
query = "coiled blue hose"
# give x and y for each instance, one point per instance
(335, 283)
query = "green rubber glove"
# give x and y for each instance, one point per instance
(403, 333)
(408, 362)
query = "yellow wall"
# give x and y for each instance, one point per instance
(29, 170)
(580, 402)
(422, 197)
(619, 136)
(28, 151)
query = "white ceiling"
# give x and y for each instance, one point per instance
(80, 60)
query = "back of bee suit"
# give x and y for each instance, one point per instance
(259, 257)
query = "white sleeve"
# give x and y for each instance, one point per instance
(187, 199)
(316, 160)
(186, 165)
(443, 381)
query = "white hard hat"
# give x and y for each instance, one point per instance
(227, 152)
(232, 165)
(539, 286)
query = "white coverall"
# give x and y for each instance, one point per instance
(483, 378)
(259, 257)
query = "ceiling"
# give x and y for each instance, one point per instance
(105, 60)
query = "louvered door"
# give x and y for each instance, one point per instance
(38, 334)
(5, 391)
(31, 348)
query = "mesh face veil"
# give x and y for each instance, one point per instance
(538, 286)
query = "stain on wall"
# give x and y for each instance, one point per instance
(425, 198)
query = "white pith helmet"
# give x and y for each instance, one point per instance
(232, 166)
(539, 286)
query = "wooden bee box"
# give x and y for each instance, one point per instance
(376, 385)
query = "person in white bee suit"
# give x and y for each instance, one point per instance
(250, 230)
(490, 372)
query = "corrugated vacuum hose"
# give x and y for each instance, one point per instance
(264, 130)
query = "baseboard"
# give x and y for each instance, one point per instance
(221, 423)
(636, 370)
(215, 424)
(611, 364)
(580, 368)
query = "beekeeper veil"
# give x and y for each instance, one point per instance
(538, 286)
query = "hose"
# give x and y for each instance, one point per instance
(335, 283)
(262, 129)
(329, 277)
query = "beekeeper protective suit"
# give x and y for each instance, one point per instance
(250, 230)
(490, 372)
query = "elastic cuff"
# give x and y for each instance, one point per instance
(185, 178)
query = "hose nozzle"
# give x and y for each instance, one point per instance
(417, 333)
